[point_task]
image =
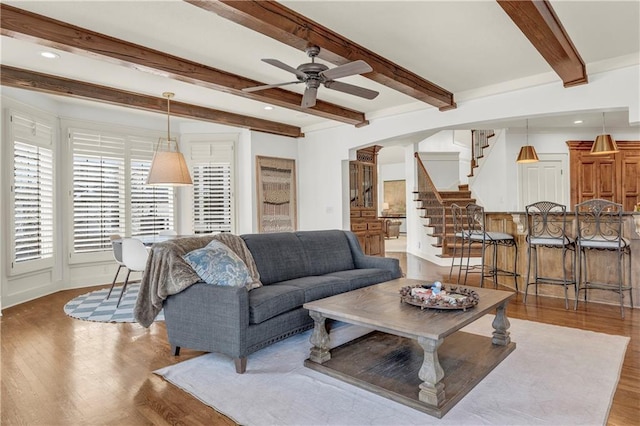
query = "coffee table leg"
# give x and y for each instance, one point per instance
(431, 373)
(319, 339)
(501, 325)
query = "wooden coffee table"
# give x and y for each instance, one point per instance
(416, 356)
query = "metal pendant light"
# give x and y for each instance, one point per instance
(168, 167)
(528, 152)
(604, 143)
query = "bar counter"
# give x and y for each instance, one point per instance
(601, 263)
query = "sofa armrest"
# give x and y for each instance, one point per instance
(209, 318)
(363, 261)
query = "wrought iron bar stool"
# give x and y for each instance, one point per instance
(547, 228)
(599, 228)
(459, 237)
(477, 233)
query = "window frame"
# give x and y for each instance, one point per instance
(43, 263)
(204, 150)
(130, 136)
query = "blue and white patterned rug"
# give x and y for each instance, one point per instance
(95, 306)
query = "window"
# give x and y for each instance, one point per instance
(31, 193)
(212, 168)
(110, 195)
(98, 190)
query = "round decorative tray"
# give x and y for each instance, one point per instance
(451, 297)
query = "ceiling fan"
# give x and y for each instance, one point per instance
(314, 74)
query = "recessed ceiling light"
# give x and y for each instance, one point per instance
(268, 107)
(577, 122)
(49, 55)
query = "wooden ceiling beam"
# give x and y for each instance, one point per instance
(21, 24)
(289, 27)
(539, 23)
(45, 83)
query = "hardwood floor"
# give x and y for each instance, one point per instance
(61, 371)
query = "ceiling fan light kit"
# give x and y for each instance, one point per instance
(314, 74)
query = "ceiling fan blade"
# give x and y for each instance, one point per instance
(351, 89)
(309, 97)
(352, 68)
(283, 66)
(268, 86)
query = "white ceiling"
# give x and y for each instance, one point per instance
(470, 48)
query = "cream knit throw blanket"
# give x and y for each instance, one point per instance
(167, 273)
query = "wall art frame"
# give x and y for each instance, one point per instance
(276, 194)
(395, 195)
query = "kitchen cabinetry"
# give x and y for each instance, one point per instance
(613, 177)
(363, 193)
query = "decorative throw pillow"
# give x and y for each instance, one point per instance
(217, 264)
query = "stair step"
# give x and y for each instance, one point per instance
(455, 194)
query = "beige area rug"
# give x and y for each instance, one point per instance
(556, 376)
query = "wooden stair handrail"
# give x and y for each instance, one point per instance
(425, 174)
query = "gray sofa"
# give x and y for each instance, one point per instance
(295, 268)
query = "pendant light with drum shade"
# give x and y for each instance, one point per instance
(168, 167)
(528, 152)
(604, 143)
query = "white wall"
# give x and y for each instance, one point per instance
(489, 185)
(321, 201)
(443, 169)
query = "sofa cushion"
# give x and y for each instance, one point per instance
(327, 251)
(217, 264)
(269, 301)
(363, 277)
(278, 256)
(318, 287)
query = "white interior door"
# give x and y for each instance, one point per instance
(546, 180)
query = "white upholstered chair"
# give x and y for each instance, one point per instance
(169, 232)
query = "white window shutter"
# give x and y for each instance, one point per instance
(212, 166)
(98, 189)
(32, 190)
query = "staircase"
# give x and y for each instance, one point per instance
(436, 207)
(479, 141)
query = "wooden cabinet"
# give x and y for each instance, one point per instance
(363, 193)
(613, 177)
